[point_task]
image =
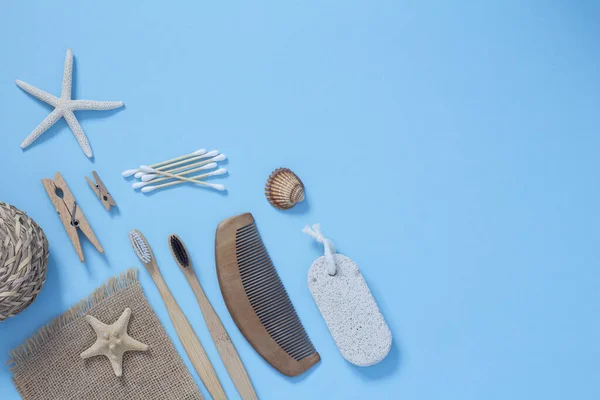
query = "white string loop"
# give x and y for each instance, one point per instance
(316, 234)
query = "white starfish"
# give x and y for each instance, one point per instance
(64, 107)
(113, 341)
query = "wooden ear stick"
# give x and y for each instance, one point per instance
(186, 334)
(227, 351)
(257, 300)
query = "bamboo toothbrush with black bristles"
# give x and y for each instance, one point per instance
(227, 351)
(184, 330)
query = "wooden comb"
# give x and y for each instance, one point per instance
(257, 300)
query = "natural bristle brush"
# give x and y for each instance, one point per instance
(184, 330)
(227, 351)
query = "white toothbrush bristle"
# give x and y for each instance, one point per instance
(140, 246)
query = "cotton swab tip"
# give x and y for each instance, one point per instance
(148, 177)
(139, 174)
(129, 172)
(220, 171)
(138, 185)
(147, 169)
(217, 186)
(208, 166)
(220, 157)
(199, 152)
(212, 153)
(148, 189)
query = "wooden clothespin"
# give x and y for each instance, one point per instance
(101, 191)
(70, 213)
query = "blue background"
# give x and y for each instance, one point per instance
(450, 148)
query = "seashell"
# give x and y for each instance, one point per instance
(284, 189)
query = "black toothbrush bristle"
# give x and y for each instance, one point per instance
(179, 251)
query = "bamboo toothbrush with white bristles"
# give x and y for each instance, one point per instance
(225, 347)
(154, 178)
(215, 186)
(184, 330)
(199, 152)
(166, 167)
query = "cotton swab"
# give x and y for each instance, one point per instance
(207, 155)
(150, 177)
(141, 174)
(215, 186)
(220, 157)
(220, 171)
(195, 153)
(130, 172)
(213, 153)
(216, 157)
(209, 165)
(150, 170)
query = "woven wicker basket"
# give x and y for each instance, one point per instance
(23, 260)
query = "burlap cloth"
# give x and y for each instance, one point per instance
(48, 365)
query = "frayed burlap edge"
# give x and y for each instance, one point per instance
(39, 339)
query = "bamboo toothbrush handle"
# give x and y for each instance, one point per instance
(190, 341)
(227, 351)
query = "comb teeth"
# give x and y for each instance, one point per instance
(268, 296)
(179, 251)
(140, 246)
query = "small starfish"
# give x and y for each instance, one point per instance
(64, 107)
(113, 341)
